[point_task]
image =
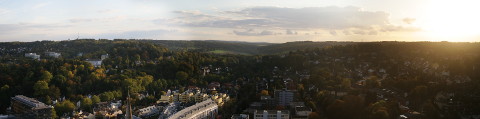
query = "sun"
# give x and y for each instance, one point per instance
(453, 20)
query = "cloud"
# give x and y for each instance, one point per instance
(348, 20)
(76, 20)
(290, 32)
(333, 32)
(303, 18)
(4, 11)
(409, 20)
(37, 6)
(107, 11)
(359, 32)
(15, 28)
(252, 32)
(346, 32)
(108, 19)
(392, 28)
(372, 33)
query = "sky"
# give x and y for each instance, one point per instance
(275, 21)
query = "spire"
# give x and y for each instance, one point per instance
(128, 113)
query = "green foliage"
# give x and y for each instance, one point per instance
(86, 104)
(46, 76)
(181, 75)
(110, 95)
(54, 114)
(65, 107)
(95, 99)
(40, 88)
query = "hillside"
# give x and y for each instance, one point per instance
(293, 46)
(218, 47)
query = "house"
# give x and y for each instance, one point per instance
(32, 55)
(95, 63)
(108, 109)
(103, 57)
(53, 54)
(149, 111)
(83, 115)
(301, 112)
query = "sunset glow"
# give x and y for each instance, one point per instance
(274, 21)
(452, 20)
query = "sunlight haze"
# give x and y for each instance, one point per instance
(273, 21)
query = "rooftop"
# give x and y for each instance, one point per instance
(272, 111)
(193, 110)
(31, 102)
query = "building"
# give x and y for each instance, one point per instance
(240, 116)
(268, 101)
(271, 114)
(83, 115)
(199, 97)
(25, 107)
(220, 98)
(284, 97)
(53, 54)
(203, 110)
(95, 63)
(108, 110)
(32, 55)
(149, 111)
(301, 112)
(165, 99)
(185, 97)
(103, 57)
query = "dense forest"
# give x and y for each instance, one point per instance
(419, 73)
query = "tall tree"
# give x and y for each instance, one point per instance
(40, 88)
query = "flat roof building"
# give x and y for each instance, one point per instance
(284, 97)
(25, 107)
(271, 114)
(203, 110)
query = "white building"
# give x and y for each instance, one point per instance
(95, 63)
(203, 110)
(53, 54)
(271, 114)
(104, 57)
(149, 111)
(32, 55)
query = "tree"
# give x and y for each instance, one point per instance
(54, 114)
(46, 76)
(430, 111)
(65, 107)
(181, 75)
(264, 93)
(132, 85)
(95, 99)
(314, 115)
(40, 88)
(372, 82)
(346, 83)
(86, 104)
(54, 92)
(381, 114)
(419, 94)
